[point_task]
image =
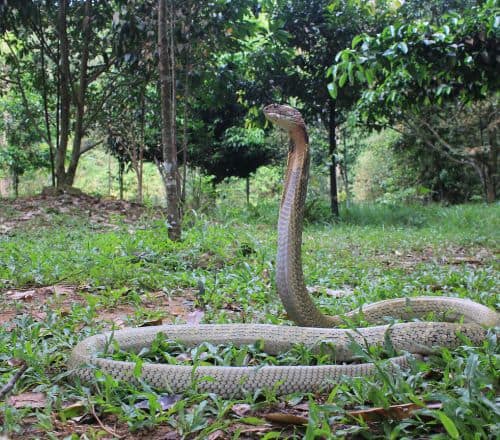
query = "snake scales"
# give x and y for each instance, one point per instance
(414, 337)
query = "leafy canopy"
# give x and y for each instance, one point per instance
(410, 65)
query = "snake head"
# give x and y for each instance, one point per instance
(284, 116)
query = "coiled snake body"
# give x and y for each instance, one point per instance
(413, 337)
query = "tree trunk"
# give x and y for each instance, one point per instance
(121, 172)
(168, 112)
(65, 94)
(15, 183)
(247, 189)
(47, 119)
(142, 142)
(334, 201)
(80, 96)
(492, 165)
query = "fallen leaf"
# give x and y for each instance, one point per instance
(216, 435)
(74, 411)
(336, 293)
(243, 429)
(118, 323)
(166, 401)
(241, 409)
(28, 400)
(6, 317)
(183, 357)
(194, 318)
(63, 290)
(289, 419)
(393, 412)
(152, 322)
(302, 406)
(14, 362)
(468, 260)
(339, 293)
(26, 295)
(39, 316)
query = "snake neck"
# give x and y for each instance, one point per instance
(289, 276)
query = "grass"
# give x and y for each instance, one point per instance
(225, 267)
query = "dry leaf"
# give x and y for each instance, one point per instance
(336, 293)
(216, 435)
(166, 401)
(152, 323)
(39, 316)
(14, 362)
(468, 260)
(63, 290)
(241, 409)
(26, 295)
(302, 406)
(183, 357)
(28, 400)
(118, 323)
(289, 419)
(194, 318)
(6, 317)
(339, 293)
(393, 412)
(244, 429)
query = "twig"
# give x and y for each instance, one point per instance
(108, 430)
(10, 384)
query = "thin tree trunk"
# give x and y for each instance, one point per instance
(121, 172)
(167, 82)
(65, 94)
(15, 183)
(185, 133)
(109, 175)
(247, 189)
(80, 96)
(346, 177)
(334, 201)
(142, 142)
(47, 120)
(492, 165)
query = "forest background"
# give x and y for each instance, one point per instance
(400, 98)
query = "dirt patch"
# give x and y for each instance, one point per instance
(41, 211)
(62, 297)
(449, 256)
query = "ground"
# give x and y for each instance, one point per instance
(72, 266)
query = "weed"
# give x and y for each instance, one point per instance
(227, 262)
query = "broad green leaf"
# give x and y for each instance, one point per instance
(448, 424)
(356, 40)
(343, 79)
(403, 47)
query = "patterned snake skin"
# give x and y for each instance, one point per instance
(412, 337)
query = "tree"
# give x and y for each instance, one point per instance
(60, 49)
(166, 48)
(318, 30)
(19, 149)
(414, 71)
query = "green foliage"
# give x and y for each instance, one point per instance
(413, 64)
(379, 253)
(239, 153)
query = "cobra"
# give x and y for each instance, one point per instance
(312, 327)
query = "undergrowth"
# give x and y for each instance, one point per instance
(227, 262)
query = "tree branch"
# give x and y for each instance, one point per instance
(87, 147)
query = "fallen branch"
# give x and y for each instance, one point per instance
(10, 384)
(104, 427)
